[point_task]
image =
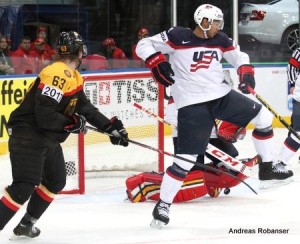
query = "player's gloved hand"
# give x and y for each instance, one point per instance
(246, 75)
(161, 69)
(230, 132)
(78, 124)
(118, 132)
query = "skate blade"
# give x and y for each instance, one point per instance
(267, 184)
(157, 224)
(15, 238)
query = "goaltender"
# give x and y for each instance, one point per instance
(54, 107)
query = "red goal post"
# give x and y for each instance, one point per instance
(114, 94)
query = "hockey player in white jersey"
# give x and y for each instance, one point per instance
(194, 72)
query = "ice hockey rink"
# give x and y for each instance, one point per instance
(103, 215)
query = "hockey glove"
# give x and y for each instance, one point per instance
(230, 132)
(161, 69)
(118, 133)
(246, 76)
(78, 124)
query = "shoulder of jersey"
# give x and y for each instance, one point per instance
(58, 69)
(180, 36)
(223, 40)
(61, 76)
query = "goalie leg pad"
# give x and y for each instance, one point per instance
(215, 182)
(193, 187)
(143, 186)
(146, 186)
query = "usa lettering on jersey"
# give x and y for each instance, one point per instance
(203, 60)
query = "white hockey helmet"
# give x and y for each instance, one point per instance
(210, 12)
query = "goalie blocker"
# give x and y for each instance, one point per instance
(146, 186)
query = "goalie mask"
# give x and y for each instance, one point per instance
(209, 12)
(70, 43)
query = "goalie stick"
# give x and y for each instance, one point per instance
(202, 166)
(277, 116)
(229, 161)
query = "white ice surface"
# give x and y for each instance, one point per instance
(102, 215)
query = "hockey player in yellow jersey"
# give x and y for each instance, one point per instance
(54, 107)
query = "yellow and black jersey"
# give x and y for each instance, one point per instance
(52, 99)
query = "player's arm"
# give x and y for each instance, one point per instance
(150, 45)
(91, 113)
(113, 126)
(241, 62)
(47, 98)
(152, 50)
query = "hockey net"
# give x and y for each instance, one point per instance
(114, 95)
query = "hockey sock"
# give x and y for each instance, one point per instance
(172, 182)
(15, 196)
(263, 140)
(289, 148)
(39, 201)
(169, 188)
(8, 209)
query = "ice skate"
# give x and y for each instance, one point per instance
(274, 174)
(160, 215)
(26, 228)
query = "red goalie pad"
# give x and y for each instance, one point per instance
(215, 182)
(143, 186)
(147, 186)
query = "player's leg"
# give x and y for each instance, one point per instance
(27, 157)
(270, 171)
(53, 181)
(194, 128)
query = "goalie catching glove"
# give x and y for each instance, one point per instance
(118, 134)
(161, 69)
(246, 77)
(230, 132)
(78, 124)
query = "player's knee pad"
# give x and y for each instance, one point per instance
(20, 192)
(183, 164)
(263, 119)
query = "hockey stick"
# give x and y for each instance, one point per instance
(202, 166)
(212, 150)
(277, 116)
(153, 115)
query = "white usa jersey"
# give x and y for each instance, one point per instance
(196, 63)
